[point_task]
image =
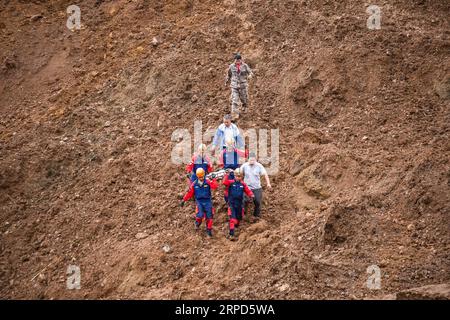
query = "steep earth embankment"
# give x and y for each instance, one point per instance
(86, 122)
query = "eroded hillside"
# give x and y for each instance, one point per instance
(87, 117)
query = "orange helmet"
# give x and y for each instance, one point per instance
(200, 173)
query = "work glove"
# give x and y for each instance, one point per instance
(182, 203)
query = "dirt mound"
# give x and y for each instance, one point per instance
(87, 117)
(431, 292)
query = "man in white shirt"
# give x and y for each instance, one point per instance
(252, 171)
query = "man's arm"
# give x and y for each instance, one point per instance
(242, 168)
(268, 181)
(250, 72)
(228, 77)
(190, 193)
(238, 138)
(241, 153)
(266, 176)
(216, 139)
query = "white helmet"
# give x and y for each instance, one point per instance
(229, 142)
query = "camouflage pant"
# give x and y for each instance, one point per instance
(236, 95)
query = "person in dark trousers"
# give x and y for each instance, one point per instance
(236, 190)
(201, 190)
(252, 171)
(229, 160)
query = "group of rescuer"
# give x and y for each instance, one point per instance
(241, 181)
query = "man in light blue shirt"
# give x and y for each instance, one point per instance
(227, 131)
(252, 171)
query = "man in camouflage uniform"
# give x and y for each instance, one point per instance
(238, 73)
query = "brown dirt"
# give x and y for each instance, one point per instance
(86, 122)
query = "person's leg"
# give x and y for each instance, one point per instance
(245, 204)
(235, 100)
(244, 97)
(209, 217)
(225, 196)
(257, 201)
(233, 219)
(200, 214)
(239, 213)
